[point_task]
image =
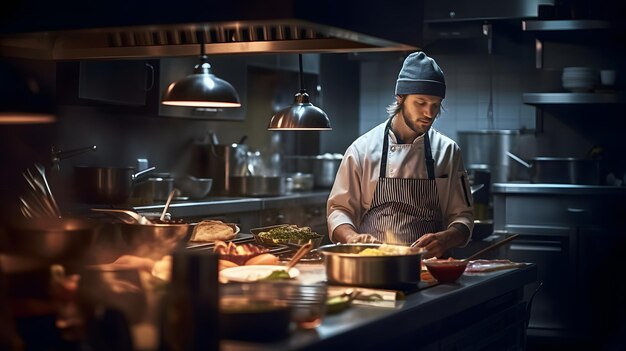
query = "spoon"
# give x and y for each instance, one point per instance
(174, 192)
(303, 250)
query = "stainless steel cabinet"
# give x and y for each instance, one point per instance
(572, 234)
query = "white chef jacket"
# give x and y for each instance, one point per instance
(355, 183)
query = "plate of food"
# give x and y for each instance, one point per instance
(286, 234)
(253, 273)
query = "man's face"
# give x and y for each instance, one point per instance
(419, 111)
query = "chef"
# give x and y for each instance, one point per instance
(403, 181)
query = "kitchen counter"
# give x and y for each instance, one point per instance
(560, 189)
(220, 205)
(480, 310)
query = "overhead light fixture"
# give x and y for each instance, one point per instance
(24, 100)
(302, 114)
(202, 88)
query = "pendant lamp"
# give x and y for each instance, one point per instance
(202, 88)
(302, 114)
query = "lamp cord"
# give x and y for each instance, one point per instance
(301, 73)
(201, 37)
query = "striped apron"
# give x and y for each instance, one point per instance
(403, 209)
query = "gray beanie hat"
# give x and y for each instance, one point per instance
(420, 74)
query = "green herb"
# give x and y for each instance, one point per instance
(289, 232)
(277, 275)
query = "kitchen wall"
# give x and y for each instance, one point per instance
(562, 130)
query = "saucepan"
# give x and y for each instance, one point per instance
(106, 185)
(344, 266)
(561, 170)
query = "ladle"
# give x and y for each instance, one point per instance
(302, 251)
(174, 192)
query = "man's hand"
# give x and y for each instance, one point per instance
(346, 234)
(436, 244)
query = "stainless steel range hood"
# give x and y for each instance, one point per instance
(242, 28)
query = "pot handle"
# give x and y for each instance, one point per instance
(518, 159)
(143, 172)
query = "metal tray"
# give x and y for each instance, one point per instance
(315, 242)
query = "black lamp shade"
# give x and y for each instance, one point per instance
(301, 115)
(201, 89)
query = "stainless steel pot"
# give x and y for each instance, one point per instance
(301, 181)
(153, 240)
(325, 169)
(561, 170)
(345, 267)
(258, 185)
(106, 185)
(486, 150)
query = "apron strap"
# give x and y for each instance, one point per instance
(430, 163)
(383, 159)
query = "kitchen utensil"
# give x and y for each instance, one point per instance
(42, 173)
(258, 185)
(449, 270)
(301, 181)
(486, 150)
(52, 239)
(58, 155)
(173, 193)
(345, 267)
(156, 188)
(107, 185)
(561, 170)
(325, 169)
(303, 250)
(192, 187)
(264, 318)
(126, 216)
(491, 247)
(153, 240)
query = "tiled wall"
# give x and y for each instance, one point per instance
(467, 97)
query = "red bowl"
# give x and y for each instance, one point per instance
(252, 250)
(446, 271)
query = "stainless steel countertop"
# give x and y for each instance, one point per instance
(225, 205)
(559, 189)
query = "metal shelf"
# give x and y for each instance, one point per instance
(574, 98)
(556, 25)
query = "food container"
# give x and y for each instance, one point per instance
(54, 239)
(446, 270)
(344, 266)
(561, 170)
(192, 187)
(301, 181)
(153, 240)
(106, 185)
(316, 239)
(258, 185)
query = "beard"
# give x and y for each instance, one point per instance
(409, 122)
